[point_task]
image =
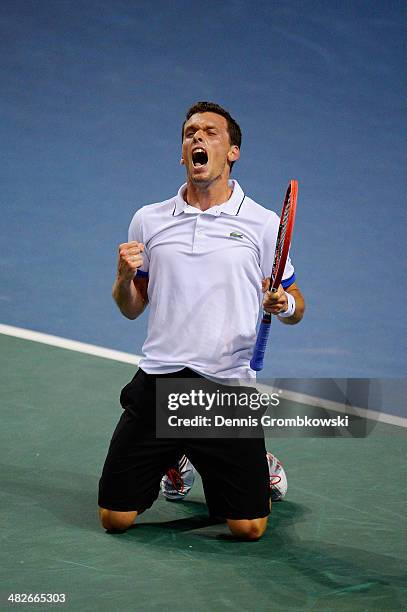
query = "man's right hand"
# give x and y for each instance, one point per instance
(129, 260)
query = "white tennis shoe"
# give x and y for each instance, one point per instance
(278, 478)
(178, 480)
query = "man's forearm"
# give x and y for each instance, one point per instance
(299, 307)
(129, 298)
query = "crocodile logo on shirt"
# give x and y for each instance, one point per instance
(236, 235)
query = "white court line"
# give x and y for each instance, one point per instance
(70, 345)
(365, 413)
(100, 351)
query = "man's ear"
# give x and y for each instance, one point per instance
(181, 161)
(233, 153)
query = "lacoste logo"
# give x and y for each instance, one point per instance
(236, 235)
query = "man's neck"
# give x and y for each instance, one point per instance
(207, 196)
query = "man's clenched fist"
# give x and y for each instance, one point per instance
(129, 259)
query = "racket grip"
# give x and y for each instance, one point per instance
(257, 361)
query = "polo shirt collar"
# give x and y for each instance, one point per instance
(230, 207)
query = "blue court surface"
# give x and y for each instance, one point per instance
(92, 95)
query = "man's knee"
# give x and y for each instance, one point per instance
(116, 521)
(248, 529)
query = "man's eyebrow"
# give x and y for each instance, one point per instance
(208, 126)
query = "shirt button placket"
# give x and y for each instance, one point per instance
(197, 234)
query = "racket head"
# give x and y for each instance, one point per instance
(285, 232)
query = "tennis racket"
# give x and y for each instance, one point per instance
(285, 232)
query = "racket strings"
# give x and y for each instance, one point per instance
(281, 237)
(284, 226)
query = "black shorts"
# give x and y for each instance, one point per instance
(234, 471)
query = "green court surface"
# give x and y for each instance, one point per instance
(338, 541)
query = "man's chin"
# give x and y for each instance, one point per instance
(200, 179)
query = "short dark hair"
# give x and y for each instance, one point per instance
(234, 131)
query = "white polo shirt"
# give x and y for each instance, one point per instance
(205, 270)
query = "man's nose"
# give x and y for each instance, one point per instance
(198, 136)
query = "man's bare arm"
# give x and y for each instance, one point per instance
(299, 306)
(130, 292)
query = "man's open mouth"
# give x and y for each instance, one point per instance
(199, 157)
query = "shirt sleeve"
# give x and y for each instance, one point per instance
(267, 248)
(136, 232)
